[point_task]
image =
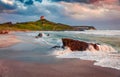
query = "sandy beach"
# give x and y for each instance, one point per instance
(8, 40)
(67, 68)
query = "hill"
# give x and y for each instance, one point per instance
(40, 25)
(37, 25)
(82, 28)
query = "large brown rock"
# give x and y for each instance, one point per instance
(75, 45)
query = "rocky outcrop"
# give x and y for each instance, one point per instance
(4, 32)
(82, 28)
(76, 45)
(39, 35)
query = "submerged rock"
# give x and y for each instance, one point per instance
(57, 47)
(95, 46)
(48, 34)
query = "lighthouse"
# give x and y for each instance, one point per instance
(42, 18)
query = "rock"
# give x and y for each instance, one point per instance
(95, 46)
(48, 34)
(55, 47)
(4, 32)
(75, 45)
(39, 35)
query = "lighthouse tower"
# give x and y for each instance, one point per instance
(42, 17)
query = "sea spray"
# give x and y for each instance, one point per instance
(62, 51)
(104, 48)
(104, 57)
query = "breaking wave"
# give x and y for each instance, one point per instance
(105, 57)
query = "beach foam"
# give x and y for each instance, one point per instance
(105, 57)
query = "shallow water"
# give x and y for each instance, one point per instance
(39, 49)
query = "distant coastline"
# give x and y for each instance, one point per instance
(42, 25)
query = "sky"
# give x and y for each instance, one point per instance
(103, 14)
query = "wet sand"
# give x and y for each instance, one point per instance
(8, 40)
(67, 68)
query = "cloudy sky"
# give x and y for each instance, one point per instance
(103, 14)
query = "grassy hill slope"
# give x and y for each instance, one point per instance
(37, 25)
(43, 25)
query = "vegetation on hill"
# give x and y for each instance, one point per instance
(42, 25)
(37, 25)
(82, 28)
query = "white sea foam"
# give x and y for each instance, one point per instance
(61, 52)
(110, 61)
(105, 57)
(101, 32)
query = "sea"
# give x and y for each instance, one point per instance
(40, 50)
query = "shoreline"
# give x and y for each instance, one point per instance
(68, 68)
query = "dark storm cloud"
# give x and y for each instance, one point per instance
(39, 0)
(6, 6)
(81, 1)
(30, 2)
(21, 1)
(85, 1)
